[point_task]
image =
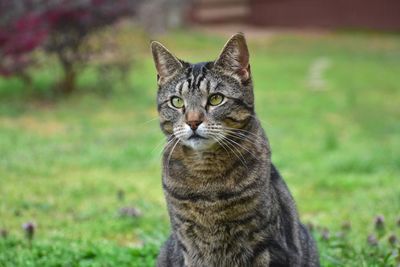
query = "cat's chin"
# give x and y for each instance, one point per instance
(199, 144)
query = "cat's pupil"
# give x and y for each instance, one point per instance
(177, 102)
(216, 99)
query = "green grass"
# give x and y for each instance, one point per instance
(62, 161)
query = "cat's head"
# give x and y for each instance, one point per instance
(202, 103)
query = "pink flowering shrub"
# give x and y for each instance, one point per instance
(59, 27)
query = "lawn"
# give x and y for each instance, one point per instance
(328, 102)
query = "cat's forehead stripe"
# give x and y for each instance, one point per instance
(204, 86)
(199, 79)
(178, 87)
(184, 88)
(195, 75)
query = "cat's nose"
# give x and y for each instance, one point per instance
(194, 124)
(194, 119)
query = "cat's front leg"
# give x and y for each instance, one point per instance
(170, 254)
(262, 260)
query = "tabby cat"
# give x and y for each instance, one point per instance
(227, 203)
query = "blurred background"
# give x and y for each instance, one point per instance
(80, 145)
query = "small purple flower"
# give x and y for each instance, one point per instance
(325, 235)
(392, 239)
(3, 233)
(379, 222)
(129, 212)
(398, 222)
(121, 195)
(372, 240)
(29, 229)
(346, 226)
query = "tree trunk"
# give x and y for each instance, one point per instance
(27, 80)
(68, 84)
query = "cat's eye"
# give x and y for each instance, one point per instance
(177, 102)
(216, 99)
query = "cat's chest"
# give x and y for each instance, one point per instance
(220, 245)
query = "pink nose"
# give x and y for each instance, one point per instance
(194, 119)
(194, 124)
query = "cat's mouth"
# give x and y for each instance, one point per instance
(196, 136)
(198, 142)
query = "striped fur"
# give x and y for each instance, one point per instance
(227, 203)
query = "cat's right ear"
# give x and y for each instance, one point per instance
(166, 63)
(234, 58)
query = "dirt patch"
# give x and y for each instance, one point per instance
(33, 125)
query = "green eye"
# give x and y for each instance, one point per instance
(177, 102)
(215, 100)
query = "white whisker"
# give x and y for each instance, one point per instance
(153, 119)
(241, 146)
(244, 131)
(169, 157)
(242, 137)
(224, 140)
(239, 136)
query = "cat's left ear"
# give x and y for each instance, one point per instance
(234, 57)
(167, 64)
